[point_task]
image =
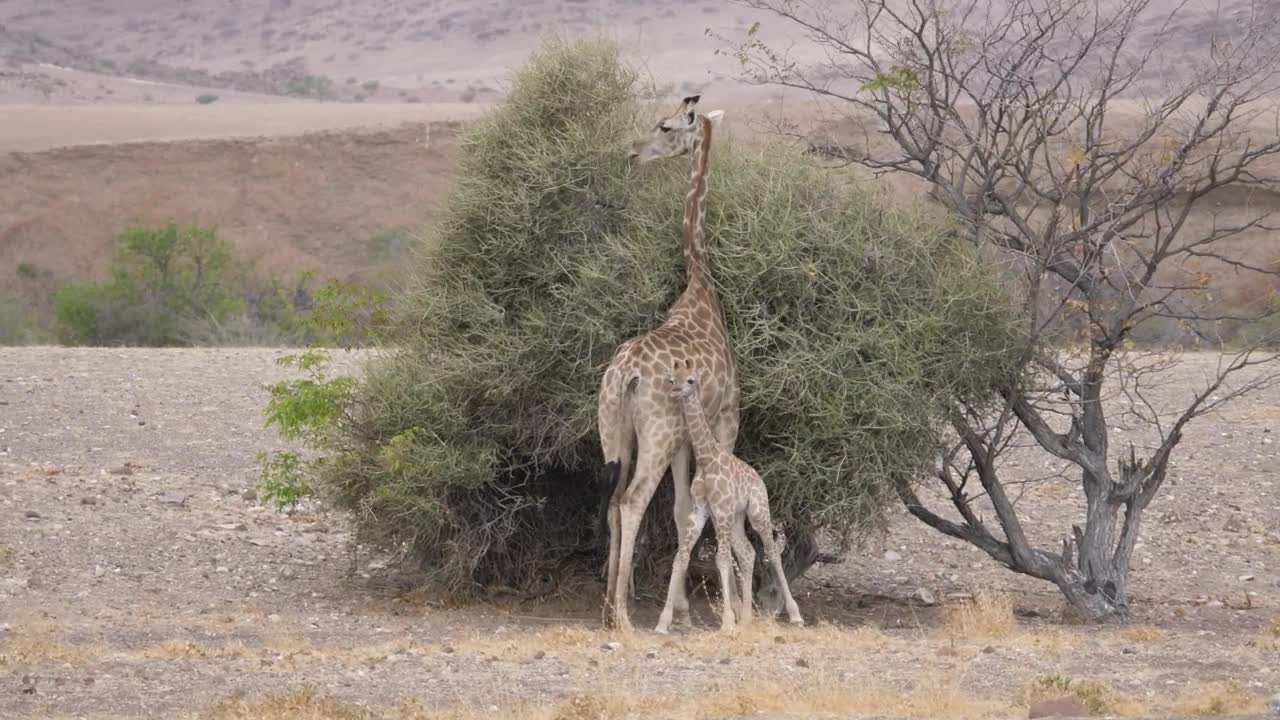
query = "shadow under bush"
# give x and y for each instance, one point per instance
(471, 441)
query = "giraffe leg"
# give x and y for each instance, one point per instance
(617, 443)
(680, 566)
(763, 525)
(724, 563)
(746, 557)
(683, 512)
(615, 500)
(653, 459)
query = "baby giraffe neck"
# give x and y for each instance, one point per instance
(704, 442)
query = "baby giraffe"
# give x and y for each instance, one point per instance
(730, 491)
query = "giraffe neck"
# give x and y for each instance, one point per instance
(695, 252)
(704, 442)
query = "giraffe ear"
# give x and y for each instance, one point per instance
(715, 116)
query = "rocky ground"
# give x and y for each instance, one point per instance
(140, 577)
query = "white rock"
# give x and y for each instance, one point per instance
(924, 597)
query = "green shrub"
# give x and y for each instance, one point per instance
(166, 282)
(317, 86)
(471, 438)
(390, 243)
(207, 99)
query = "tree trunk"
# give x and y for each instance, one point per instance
(1096, 586)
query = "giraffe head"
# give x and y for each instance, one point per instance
(674, 135)
(684, 380)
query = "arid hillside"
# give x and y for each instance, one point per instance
(301, 129)
(437, 51)
(306, 202)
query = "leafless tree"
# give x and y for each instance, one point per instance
(1074, 147)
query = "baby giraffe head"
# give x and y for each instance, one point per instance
(684, 380)
(674, 135)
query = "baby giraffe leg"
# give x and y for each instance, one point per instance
(680, 566)
(746, 557)
(724, 563)
(764, 528)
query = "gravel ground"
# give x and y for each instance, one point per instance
(139, 577)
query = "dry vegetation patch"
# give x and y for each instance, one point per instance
(40, 642)
(297, 704)
(1100, 697)
(927, 697)
(1219, 698)
(989, 616)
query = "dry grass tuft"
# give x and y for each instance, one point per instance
(989, 616)
(179, 649)
(298, 704)
(763, 636)
(558, 639)
(42, 642)
(930, 697)
(927, 698)
(1270, 639)
(1098, 696)
(1144, 634)
(1219, 698)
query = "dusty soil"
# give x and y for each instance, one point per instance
(139, 577)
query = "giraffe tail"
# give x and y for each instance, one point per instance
(616, 436)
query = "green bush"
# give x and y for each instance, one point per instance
(390, 243)
(166, 282)
(317, 86)
(472, 439)
(206, 99)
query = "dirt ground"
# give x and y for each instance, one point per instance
(140, 577)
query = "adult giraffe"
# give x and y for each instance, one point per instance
(636, 411)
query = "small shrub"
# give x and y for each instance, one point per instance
(1219, 698)
(1096, 696)
(390, 243)
(281, 481)
(206, 99)
(313, 86)
(370, 86)
(304, 411)
(28, 271)
(988, 617)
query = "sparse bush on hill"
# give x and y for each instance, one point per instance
(207, 99)
(471, 441)
(163, 281)
(313, 86)
(182, 285)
